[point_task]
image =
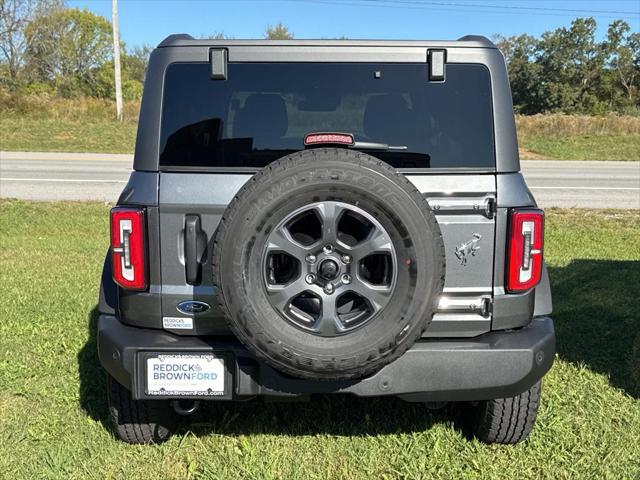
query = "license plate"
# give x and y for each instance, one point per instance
(189, 375)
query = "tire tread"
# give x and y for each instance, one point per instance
(138, 421)
(507, 420)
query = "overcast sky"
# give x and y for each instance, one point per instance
(149, 21)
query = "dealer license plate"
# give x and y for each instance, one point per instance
(188, 375)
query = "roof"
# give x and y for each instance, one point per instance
(468, 41)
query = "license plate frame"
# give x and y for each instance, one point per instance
(206, 388)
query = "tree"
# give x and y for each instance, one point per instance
(68, 46)
(135, 62)
(279, 32)
(573, 65)
(15, 15)
(525, 74)
(624, 56)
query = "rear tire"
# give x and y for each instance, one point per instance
(139, 421)
(505, 420)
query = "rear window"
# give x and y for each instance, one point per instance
(263, 111)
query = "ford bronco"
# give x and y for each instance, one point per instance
(333, 217)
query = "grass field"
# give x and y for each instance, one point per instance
(579, 137)
(34, 124)
(53, 412)
(87, 125)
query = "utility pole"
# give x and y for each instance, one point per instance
(116, 59)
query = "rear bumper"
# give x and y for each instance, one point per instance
(493, 365)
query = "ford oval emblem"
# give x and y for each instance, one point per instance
(192, 307)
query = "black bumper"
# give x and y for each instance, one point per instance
(493, 365)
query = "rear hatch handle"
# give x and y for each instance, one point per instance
(194, 248)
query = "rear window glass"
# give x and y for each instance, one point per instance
(263, 111)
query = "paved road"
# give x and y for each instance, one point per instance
(589, 184)
(66, 176)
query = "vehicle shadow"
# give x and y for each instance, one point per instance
(596, 313)
(93, 386)
(343, 415)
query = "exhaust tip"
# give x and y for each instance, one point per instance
(185, 407)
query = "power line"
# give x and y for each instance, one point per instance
(509, 7)
(470, 8)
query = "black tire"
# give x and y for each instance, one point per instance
(139, 421)
(505, 420)
(332, 175)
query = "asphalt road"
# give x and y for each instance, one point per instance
(67, 176)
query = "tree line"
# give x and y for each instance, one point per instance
(567, 70)
(47, 48)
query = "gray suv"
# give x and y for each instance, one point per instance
(326, 217)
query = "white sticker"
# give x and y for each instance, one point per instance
(177, 323)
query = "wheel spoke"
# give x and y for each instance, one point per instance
(379, 242)
(376, 295)
(280, 240)
(329, 214)
(328, 322)
(281, 295)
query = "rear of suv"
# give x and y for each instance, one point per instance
(325, 217)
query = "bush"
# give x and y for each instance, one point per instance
(39, 89)
(131, 90)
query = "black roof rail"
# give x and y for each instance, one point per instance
(477, 38)
(176, 36)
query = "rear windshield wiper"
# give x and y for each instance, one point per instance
(376, 146)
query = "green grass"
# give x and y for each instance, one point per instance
(63, 135)
(53, 412)
(585, 147)
(579, 137)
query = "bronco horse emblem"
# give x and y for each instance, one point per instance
(471, 247)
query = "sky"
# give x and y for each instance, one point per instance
(149, 21)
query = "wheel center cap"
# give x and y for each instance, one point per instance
(329, 269)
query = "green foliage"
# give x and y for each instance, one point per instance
(131, 86)
(67, 47)
(279, 32)
(65, 52)
(15, 16)
(567, 70)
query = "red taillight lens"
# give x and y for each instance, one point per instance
(524, 249)
(128, 248)
(334, 138)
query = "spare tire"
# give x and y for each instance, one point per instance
(329, 264)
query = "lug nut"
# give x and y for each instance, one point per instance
(346, 259)
(310, 278)
(328, 288)
(311, 258)
(346, 279)
(328, 248)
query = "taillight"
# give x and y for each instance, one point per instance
(524, 249)
(128, 248)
